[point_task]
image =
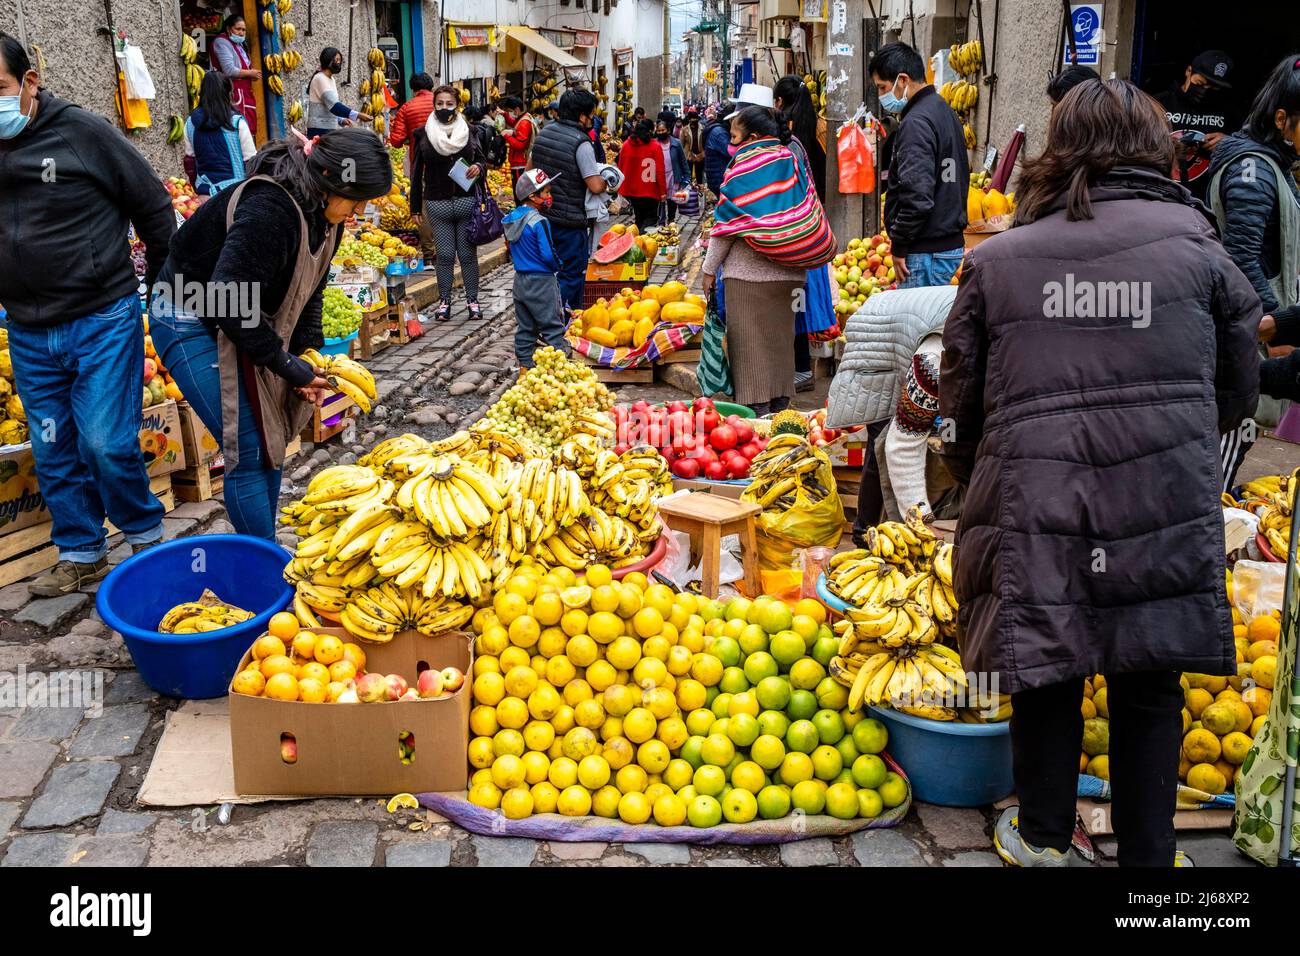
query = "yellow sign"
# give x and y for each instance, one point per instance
(710, 75)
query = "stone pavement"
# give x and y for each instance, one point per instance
(69, 775)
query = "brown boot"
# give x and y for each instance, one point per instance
(68, 577)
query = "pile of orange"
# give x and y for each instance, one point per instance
(289, 663)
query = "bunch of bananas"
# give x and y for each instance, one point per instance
(376, 615)
(287, 30)
(911, 679)
(375, 58)
(968, 134)
(272, 63)
(345, 375)
(268, 21)
(189, 49)
(1269, 498)
(292, 59)
(966, 58)
(984, 707)
(294, 113)
(284, 6)
(197, 617)
(375, 107)
(275, 85)
(13, 418)
(193, 82)
(175, 129)
(785, 470)
(960, 95)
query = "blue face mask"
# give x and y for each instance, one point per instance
(236, 38)
(12, 118)
(892, 103)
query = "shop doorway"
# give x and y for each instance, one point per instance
(399, 32)
(1167, 34)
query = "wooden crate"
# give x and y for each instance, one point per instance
(336, 403)
(28, 551)
(689, 354)
(609, 376)
(201, 483)
(373, 335)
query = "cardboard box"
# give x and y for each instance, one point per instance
(848, 451)
(352, 749)
(200, 446)
(161, 439)
(723, 488)
(618, 272)
(365, 295)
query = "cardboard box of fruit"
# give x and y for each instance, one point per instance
(393, 740)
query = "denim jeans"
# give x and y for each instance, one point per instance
(932, 268)
(189, 351)
(81, 387)
(571, 245)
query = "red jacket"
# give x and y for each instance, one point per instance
(642, 165)
(410, 116)
(520, 139)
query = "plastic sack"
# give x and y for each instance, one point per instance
(857, 163)
(677, 567)
(1257, 588)
(806, 524)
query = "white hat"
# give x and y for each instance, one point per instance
(534, 180)
(751, 94)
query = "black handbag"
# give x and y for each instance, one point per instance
(485, 224)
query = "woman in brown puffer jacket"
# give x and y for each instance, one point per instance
(1093, 356)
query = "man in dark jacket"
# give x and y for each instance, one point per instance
(717, 153)
(72, 185)
(565, 146)
(928, 175)
(1201, 115)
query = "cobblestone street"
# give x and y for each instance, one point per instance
(69, 779)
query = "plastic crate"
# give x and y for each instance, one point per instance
(596, 290)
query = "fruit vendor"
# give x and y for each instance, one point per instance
(230, 57)
(889, 380)
(564, 146)
(259, 254)
(928, 174)
(324, 109)
(1060, 411)
(218, 140)
(72, 186)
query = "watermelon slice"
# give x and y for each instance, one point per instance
(615, 249)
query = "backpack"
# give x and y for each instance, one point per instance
(493, 145)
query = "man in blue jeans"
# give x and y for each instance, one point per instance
(928, 174)
(563, 147)
(72, 184)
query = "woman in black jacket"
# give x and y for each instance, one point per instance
(240, 297)
(446, 140)
(1254, 197)
(1093, 355)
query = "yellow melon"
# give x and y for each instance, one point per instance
(623, 332)
(596, 317)
(680, 312)
(671, 292)
(602, 337)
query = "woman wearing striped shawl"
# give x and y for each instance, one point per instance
(769, 229)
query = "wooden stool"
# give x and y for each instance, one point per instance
(709, 518)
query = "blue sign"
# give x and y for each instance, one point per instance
(1085, 21)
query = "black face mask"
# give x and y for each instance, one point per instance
(663, 137)
(445, 116)
(1196, 94)
(337, 68)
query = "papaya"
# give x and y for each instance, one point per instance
(651, 247)
(671, 292)
(623, 332)
(617, 314)
(995, 204)
(596, 317)
(682, 312)
(694, 299)
(602, 337)
(643, 329)
(650, 291)
(642, 310)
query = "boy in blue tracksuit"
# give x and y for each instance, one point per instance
(539, 316)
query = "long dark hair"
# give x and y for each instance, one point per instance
(762, 121)
(1096, 127)
(1281, 91)
(327, 56)
(643, 131)
(214, 100)
(17, 62)
(348, 162)
(797, 109)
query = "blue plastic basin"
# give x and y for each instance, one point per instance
(243, 571)
(838, 605)
(950, 763)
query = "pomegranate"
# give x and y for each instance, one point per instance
(723, 437)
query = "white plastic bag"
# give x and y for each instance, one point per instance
(139, 84)
(1257, 587)
(676, 565)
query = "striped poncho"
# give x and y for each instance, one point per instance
(769, 201)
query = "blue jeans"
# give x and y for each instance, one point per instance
(81, 386)
(189, 351)
(571, 245)
(932, 268)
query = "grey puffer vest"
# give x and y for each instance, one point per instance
(555, 151)
(883, 335)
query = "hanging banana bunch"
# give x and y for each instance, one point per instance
(294, 113)
(375, 59)
(275, 85)
(364, 88)
(272, 63)
(193, 81)
(287, 32)
(189, 49)
(284, 6)
(176, 129)
(268, 21)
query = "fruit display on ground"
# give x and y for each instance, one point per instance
(390, 246)
(543, 407)
(499, 185)
(631, 317)
(626, 700)
(292, 663)
(184, 199)
(416, 531)
(208, 613)
(863, 269)
(1269, 499)
(354, 252)
(785, 472)
(13, 419)
(159, 386)
(668, 236)
(983, 202)
(623, 243)
(340, 316)
(892, 649)
(694, 440)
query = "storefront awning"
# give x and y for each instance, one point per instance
(540, 45)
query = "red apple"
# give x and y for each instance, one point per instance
(686, 468)
(452, 679)
(397, 686)
(411, 694)
(372, 687)
(723, 437)
(715, 471)
(288, 750)
(430, 683)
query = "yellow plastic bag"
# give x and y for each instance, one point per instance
(807, 524)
